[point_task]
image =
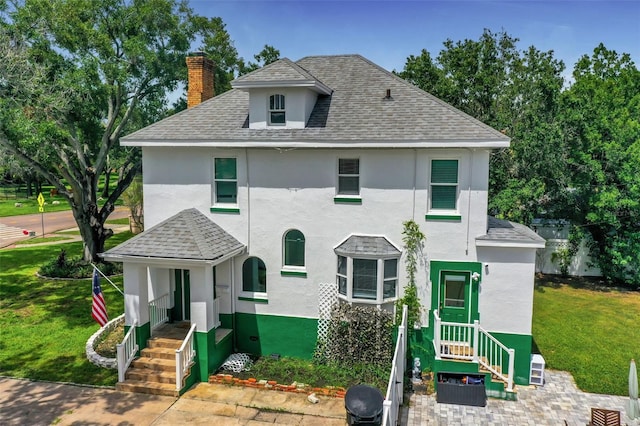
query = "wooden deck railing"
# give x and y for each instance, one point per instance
(159, 311)
(126, 351)
(184, 357)
(394, 397)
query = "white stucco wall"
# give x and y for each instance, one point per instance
(299, 103)
(506, 291)
(295, 189)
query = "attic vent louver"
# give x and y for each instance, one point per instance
(388, 96)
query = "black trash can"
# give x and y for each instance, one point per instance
(364, 405)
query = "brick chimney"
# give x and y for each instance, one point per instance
(200, 80)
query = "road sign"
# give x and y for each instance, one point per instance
(40, 200)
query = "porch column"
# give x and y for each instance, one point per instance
(136, 300)
(202, 311)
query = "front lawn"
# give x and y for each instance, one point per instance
(591, 331)
(45, 324)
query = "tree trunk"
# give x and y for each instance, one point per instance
(107, 175)
(94, 234)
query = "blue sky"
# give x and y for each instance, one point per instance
(387, 32)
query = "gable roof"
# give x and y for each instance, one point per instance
(188, 235)
(357, 113)
(282, 73)
(503, 233)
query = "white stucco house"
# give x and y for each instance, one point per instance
(302, 175)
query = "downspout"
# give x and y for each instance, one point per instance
(233, 304)
(471, 159)
(415, 177)
(246, 160)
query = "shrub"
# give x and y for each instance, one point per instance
(75, 267)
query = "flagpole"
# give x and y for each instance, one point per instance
(107, 278)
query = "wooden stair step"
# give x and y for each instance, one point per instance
(155, 364)
(152, 388)
(163, 342)
(158, 352)
(146, 375)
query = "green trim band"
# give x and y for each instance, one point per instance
(252, 299)
(224, 210)
(347, 200)
(452, 217)
(293, 273)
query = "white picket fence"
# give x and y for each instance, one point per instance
(393, 399)
(126, 351)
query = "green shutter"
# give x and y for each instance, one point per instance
(444, 171)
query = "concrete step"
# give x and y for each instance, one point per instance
(158, 352)
(155, 364)
(146, 375)
(163, 342)
(152, 388)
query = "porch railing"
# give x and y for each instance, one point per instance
(184, 357)
(393, 399)
(159, 311)
(473, 343)
(126, 351)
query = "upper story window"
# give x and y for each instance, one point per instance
(225, 181)
(444, 184)
(294, 248)
(367, 270)
(254, 276)
(348, 176)
(277, 114)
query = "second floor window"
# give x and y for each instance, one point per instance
(225, 181)
(294, 248)
(277, 115)
(444, 184)
(348, 176)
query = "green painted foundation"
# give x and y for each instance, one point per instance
(270, 334)
(522, 345)
(209, 355)
(226, 321)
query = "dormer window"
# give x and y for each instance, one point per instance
(277, 115)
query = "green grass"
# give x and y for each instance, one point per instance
(590, 331)
(45, 324)
(30, 206)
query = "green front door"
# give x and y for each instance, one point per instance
(182, 296)
(455, 297)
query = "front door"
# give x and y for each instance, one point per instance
(182, 296)
(455, 297)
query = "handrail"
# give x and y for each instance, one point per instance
(393, 399)
(184, 357)
(126, 351)
(474, 343)
(159, 311)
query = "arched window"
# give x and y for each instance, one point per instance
(294, 248)
(277, 115)
(254, 275)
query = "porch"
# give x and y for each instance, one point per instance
(470, 343)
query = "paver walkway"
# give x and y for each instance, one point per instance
(555, 403)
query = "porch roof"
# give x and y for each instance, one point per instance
(503, 233)
(367, 245)
(188, 235)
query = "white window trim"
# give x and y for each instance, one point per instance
(214, 202)
(269, 111)
(445, 212)
(379, 300)
(348, 196)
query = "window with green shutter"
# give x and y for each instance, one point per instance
(444, 184)
(225, 181)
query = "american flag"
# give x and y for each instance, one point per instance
(98, 308)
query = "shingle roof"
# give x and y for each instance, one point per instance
(504, 231)
(282, 70)
(366, 245)
(186, 235)
(357, 112)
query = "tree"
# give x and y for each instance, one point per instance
(601, 118)
(77, 75)
(514, 91)
(267, 55)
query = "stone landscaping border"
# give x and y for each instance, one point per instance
(228, 379)
(92, 355)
